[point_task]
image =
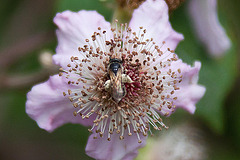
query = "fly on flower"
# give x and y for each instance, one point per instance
(118, 80)
(125, 82)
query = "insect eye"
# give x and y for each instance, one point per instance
(114, 67)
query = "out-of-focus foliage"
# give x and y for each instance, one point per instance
(218, 75)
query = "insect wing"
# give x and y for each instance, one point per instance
(117, 89)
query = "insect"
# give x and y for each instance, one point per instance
(115, 85)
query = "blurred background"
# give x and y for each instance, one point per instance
(27, 36)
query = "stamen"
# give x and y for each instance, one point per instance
(145, 84)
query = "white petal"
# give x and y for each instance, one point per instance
(152, 15)
(116, 149)
(207, 26)
(190, 92)
(73, 29)
(49, 108)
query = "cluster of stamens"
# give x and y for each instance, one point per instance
(150, 92)
(130, 3)
(174, 4)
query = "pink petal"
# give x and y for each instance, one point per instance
(190, 92)
(152, 15)
(207, 26)
(73, 29)
(49, 108)
(116, 149)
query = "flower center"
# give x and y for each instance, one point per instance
(124, 83)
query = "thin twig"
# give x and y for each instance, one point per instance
(25, 80)
(11, 54)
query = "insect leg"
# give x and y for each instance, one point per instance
(107, 85)
(126, 79)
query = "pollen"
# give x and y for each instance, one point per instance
(146, 78)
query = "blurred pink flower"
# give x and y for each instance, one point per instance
(207, 26)
(153, 79)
